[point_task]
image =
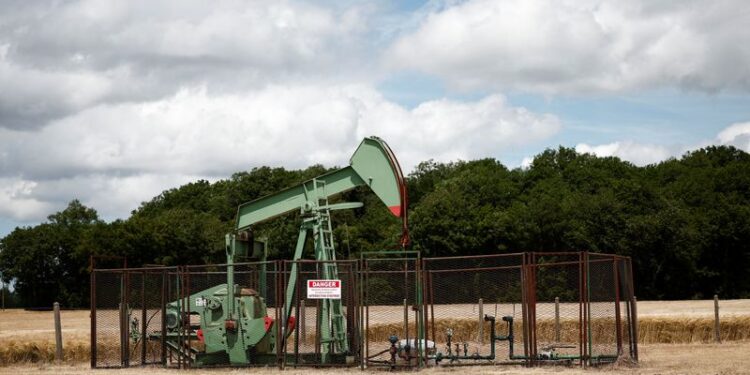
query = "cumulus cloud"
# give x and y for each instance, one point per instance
(636, 153)
(112, 102)
(17, 200)
(32, 96)
(582, 46)
(61, 57)
(113, 156)
(737, 135)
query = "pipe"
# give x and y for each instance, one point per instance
(511, 355)
(509, 337)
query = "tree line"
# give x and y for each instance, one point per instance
(685, 222)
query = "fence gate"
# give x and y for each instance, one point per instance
(393, 310)
(321, 311)
(469, 299)
(127, 315)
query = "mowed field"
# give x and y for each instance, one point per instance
(731, 357)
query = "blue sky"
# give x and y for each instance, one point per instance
(113, 102)
(674, 118)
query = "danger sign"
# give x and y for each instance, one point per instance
(324, 289)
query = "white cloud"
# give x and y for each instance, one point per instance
(61, 57)
(38, 94)
(580, 46)
(737, 135)
(113, 156)
(112, 102)
(636, 153)
(526, 162)
(17, 201)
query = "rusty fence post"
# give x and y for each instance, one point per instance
(481, 322)
(717, 326)
(302, 320)
(144, 319)
(557, 319)
(92, 316)
(635, 321)
(406, 320)
(58, 333)
(2, 290)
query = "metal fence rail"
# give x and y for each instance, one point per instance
(395, 310)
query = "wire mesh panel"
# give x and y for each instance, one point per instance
(146, 297)
(392, 310)
(152, 320)
(321, 310)
(171, 292)
(132, 311)
(465, 294)
(557, 308)
(307, 312)
(628, 327)
(127, 311)
(603, 309)
(107, 293)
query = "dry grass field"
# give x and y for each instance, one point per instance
(687, 325)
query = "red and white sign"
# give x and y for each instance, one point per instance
(324, 289)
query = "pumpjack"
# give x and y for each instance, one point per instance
(233, 323)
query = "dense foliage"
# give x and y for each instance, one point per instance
(685, 222)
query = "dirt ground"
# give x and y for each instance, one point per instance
(725, 359)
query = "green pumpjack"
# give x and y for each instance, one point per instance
(230, 325)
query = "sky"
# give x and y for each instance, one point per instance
(112, 102)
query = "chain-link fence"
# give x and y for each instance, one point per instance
(393, 310)
(127, 313)
(393, 313)
(580, 305)
(461, 292)
(530, 308)
(321, 311)
(556, 302)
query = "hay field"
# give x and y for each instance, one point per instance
(39, 326)
(29, 336)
